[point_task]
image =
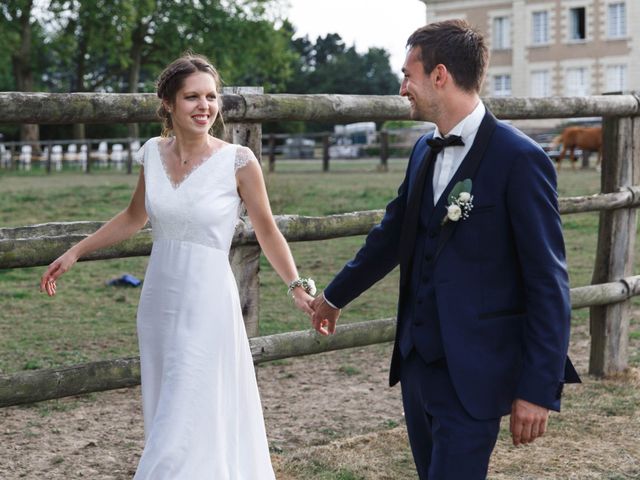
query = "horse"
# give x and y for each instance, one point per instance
(588, 139)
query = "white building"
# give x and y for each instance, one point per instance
(542, 48)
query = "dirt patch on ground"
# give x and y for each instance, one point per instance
(328, 416)
(307, 401)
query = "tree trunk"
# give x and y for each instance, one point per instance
(135, 55)
(79, 131)
(23, 75)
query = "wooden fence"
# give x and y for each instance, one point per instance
(381, 147)
(608, 297)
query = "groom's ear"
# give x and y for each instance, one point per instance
(440, 75)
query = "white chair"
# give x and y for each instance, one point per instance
(5, 157)
(82, 156)
(103, 153)
(134, 146)
(56, 157)
(72, 153)
(25, 157)
(117, 153)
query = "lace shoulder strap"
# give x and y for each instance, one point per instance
(244, 155)
(140, 155)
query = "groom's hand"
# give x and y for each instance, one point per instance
(324, 316)
(528, 421)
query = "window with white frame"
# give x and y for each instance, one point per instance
(540, 28)
(617, 20)
(616, 78)
(577, 82)
(577, 23)
(502, 85)
(541, 83)
(501, 33)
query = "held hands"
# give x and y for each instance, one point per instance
(528, 421)
(324, 316)
(302, 300)
(59, 266)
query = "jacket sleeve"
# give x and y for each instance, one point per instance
(532, 203)
(379, 254)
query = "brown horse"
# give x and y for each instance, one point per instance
(588, 139)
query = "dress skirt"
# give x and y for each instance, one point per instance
(202, 412)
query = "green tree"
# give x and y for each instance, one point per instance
(19, 33)
(123, 45)
(329, 66)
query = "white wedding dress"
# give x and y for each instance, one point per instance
(202, 412)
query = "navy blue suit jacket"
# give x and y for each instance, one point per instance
(500, 276)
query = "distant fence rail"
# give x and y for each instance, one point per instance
(613, 282)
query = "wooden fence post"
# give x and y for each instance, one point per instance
(14, 160)
(129, 158)
(384, 151)
(86, 165)
(245, 260)
(272, 153)
(49, 152)
(609, 325)
(325, 153)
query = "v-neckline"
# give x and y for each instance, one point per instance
(176, 186)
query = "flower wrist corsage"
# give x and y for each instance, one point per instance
(307, 284)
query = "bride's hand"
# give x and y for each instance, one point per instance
(59, 266)
(302, 300)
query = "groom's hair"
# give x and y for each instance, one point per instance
(456, 45)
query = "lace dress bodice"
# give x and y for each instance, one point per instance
(204, 206)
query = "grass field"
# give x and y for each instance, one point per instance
(89, 320)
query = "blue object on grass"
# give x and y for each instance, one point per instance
(125, 280)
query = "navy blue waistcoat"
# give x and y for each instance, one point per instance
(419, 324)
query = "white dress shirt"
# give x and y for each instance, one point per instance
(449, 159)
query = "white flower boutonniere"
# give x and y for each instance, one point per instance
(460, 202)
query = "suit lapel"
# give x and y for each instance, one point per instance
(467, 169)
(414, 204)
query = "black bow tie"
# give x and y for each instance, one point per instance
(437, 144)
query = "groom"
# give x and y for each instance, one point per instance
(484, 310)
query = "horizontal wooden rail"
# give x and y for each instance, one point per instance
(39, 385)
(67, 108)
(38, 245)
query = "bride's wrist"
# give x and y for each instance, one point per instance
(302, 284)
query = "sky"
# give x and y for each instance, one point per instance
(365, 23)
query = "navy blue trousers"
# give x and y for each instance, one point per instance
(446, 442)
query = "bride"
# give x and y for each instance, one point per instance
(202, 412)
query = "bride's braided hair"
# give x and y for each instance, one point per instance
(171, 80)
